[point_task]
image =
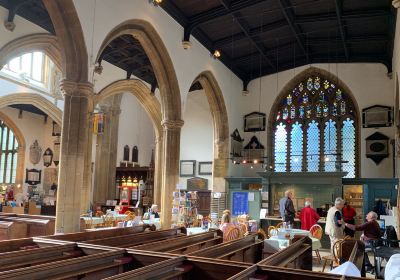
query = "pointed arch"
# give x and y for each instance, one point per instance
(33, 99)
(159, 58)
(220, 124)
(45, 43)
(321, 119)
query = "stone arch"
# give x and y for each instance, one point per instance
(45, 43)
(21, 147)
(220, 126)
(160, 60)
(70, 38)
(33, 99)
(153, 109)
(326, 75)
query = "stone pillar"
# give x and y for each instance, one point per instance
(170, 167)
(106, 152)
(220, 165)
(157, 172)
(77, 97)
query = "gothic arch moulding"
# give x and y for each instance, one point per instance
(160, 60)
(70, 38)
(141, 92)
(33, 99)
(21, 146)
(220, 122)
(324, 74)
(45, 43)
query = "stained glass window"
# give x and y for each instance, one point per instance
(321, 119)
(280, 148)
(8, 154)
(296, 147)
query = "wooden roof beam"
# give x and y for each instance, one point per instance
(339, 5)
(290, 17)
(361, 14)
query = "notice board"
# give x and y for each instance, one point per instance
(240, 203)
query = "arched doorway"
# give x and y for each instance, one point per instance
(166, 80)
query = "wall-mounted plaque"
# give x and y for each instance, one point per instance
(254, 121)
(377, 147)
(205, 167)
(377, 116)
(197, 183)
(236, 144)
(187, 168)
(33, 176)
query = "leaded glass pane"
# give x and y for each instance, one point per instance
(8, 168)
(285, 113)
(292, 112)
(313, 147)
(280, 148)
(349, 148)
(289, 99)
(14, 168)
(317, 84)
(296, 148)
(309, 84)
(330, 146)
(301, 111)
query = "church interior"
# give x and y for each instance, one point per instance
(218, 139)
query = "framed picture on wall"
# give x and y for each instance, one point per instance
(187, 168)
(205, 167)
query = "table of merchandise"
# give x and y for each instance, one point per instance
(276, 243)
(100, 220)
(195, 230)
(155, 222)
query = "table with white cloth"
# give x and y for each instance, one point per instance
(195, 230)
(155, 222)
(276, 243)
(94, 221)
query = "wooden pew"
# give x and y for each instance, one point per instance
(279, 273)
(353, 251)
(34, 227)
(184, 268)
(11, 230)
(247, 249)
(297, 255)
(29, 257)
(183, 245)
(127, 241)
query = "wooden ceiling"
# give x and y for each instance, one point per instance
(259, 37)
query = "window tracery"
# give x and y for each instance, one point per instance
(8, 154)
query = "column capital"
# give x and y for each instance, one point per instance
(71, 88)
(172, 124)
(396, 4)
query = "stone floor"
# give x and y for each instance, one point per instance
(324, 252)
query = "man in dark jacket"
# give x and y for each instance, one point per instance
(290, 212)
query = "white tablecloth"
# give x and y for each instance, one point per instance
(274, 243)
(195, 230)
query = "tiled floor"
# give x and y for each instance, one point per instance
(318, 266)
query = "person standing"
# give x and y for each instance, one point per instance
(308, 216)
(290, 212)
(282, 203)
(348, 217)
(334, 222)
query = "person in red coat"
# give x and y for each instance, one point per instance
(349, 213)
(308, 216)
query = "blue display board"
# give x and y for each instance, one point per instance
(240, 203)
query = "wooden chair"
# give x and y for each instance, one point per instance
(261, 234)
(243, 229)
(279, 226)
(272, 231)
(233, 234)
(130, 216)
(335, 257)
(316, 232)
(89, 223)
(108, 220)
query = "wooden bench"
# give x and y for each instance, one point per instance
(34, 227)
(185, 244)
(22, 244)
(11, 230)
(184, 268)
(297, 255)
(353, 251)
(247, 249)
(126, 241)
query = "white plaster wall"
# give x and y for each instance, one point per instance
(135, 129)
(197, 133)
(369, 84)
(33, 128)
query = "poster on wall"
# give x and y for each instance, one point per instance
(240, 203)
(50, 177)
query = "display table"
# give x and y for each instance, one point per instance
(195, 230)
(155, 222)
(276, 242)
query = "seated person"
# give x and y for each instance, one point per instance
(154, 211)
(371, 230)
(226, 224)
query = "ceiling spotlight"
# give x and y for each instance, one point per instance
(186, 44)
(251, 167)
(244, 161)
(216, 54)
(156, 2)
(255, 161)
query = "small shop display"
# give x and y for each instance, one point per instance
(184, 208)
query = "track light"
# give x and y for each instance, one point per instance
(216, 54)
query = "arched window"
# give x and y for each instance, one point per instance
(34, 68)
(8, 154)
(314, 129)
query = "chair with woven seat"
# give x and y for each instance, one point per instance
(108, 220)
(316, 232)
(272, 231)
(334, 257)
(279, 226)
(243, 229)
(233, 234)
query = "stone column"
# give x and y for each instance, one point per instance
(106, 152)
(157, 172)
(170, 167)
(220, 165)
(77, 97)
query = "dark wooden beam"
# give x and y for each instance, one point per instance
(339, 8)
(361, 14)
(246, 30)
(290, 17)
